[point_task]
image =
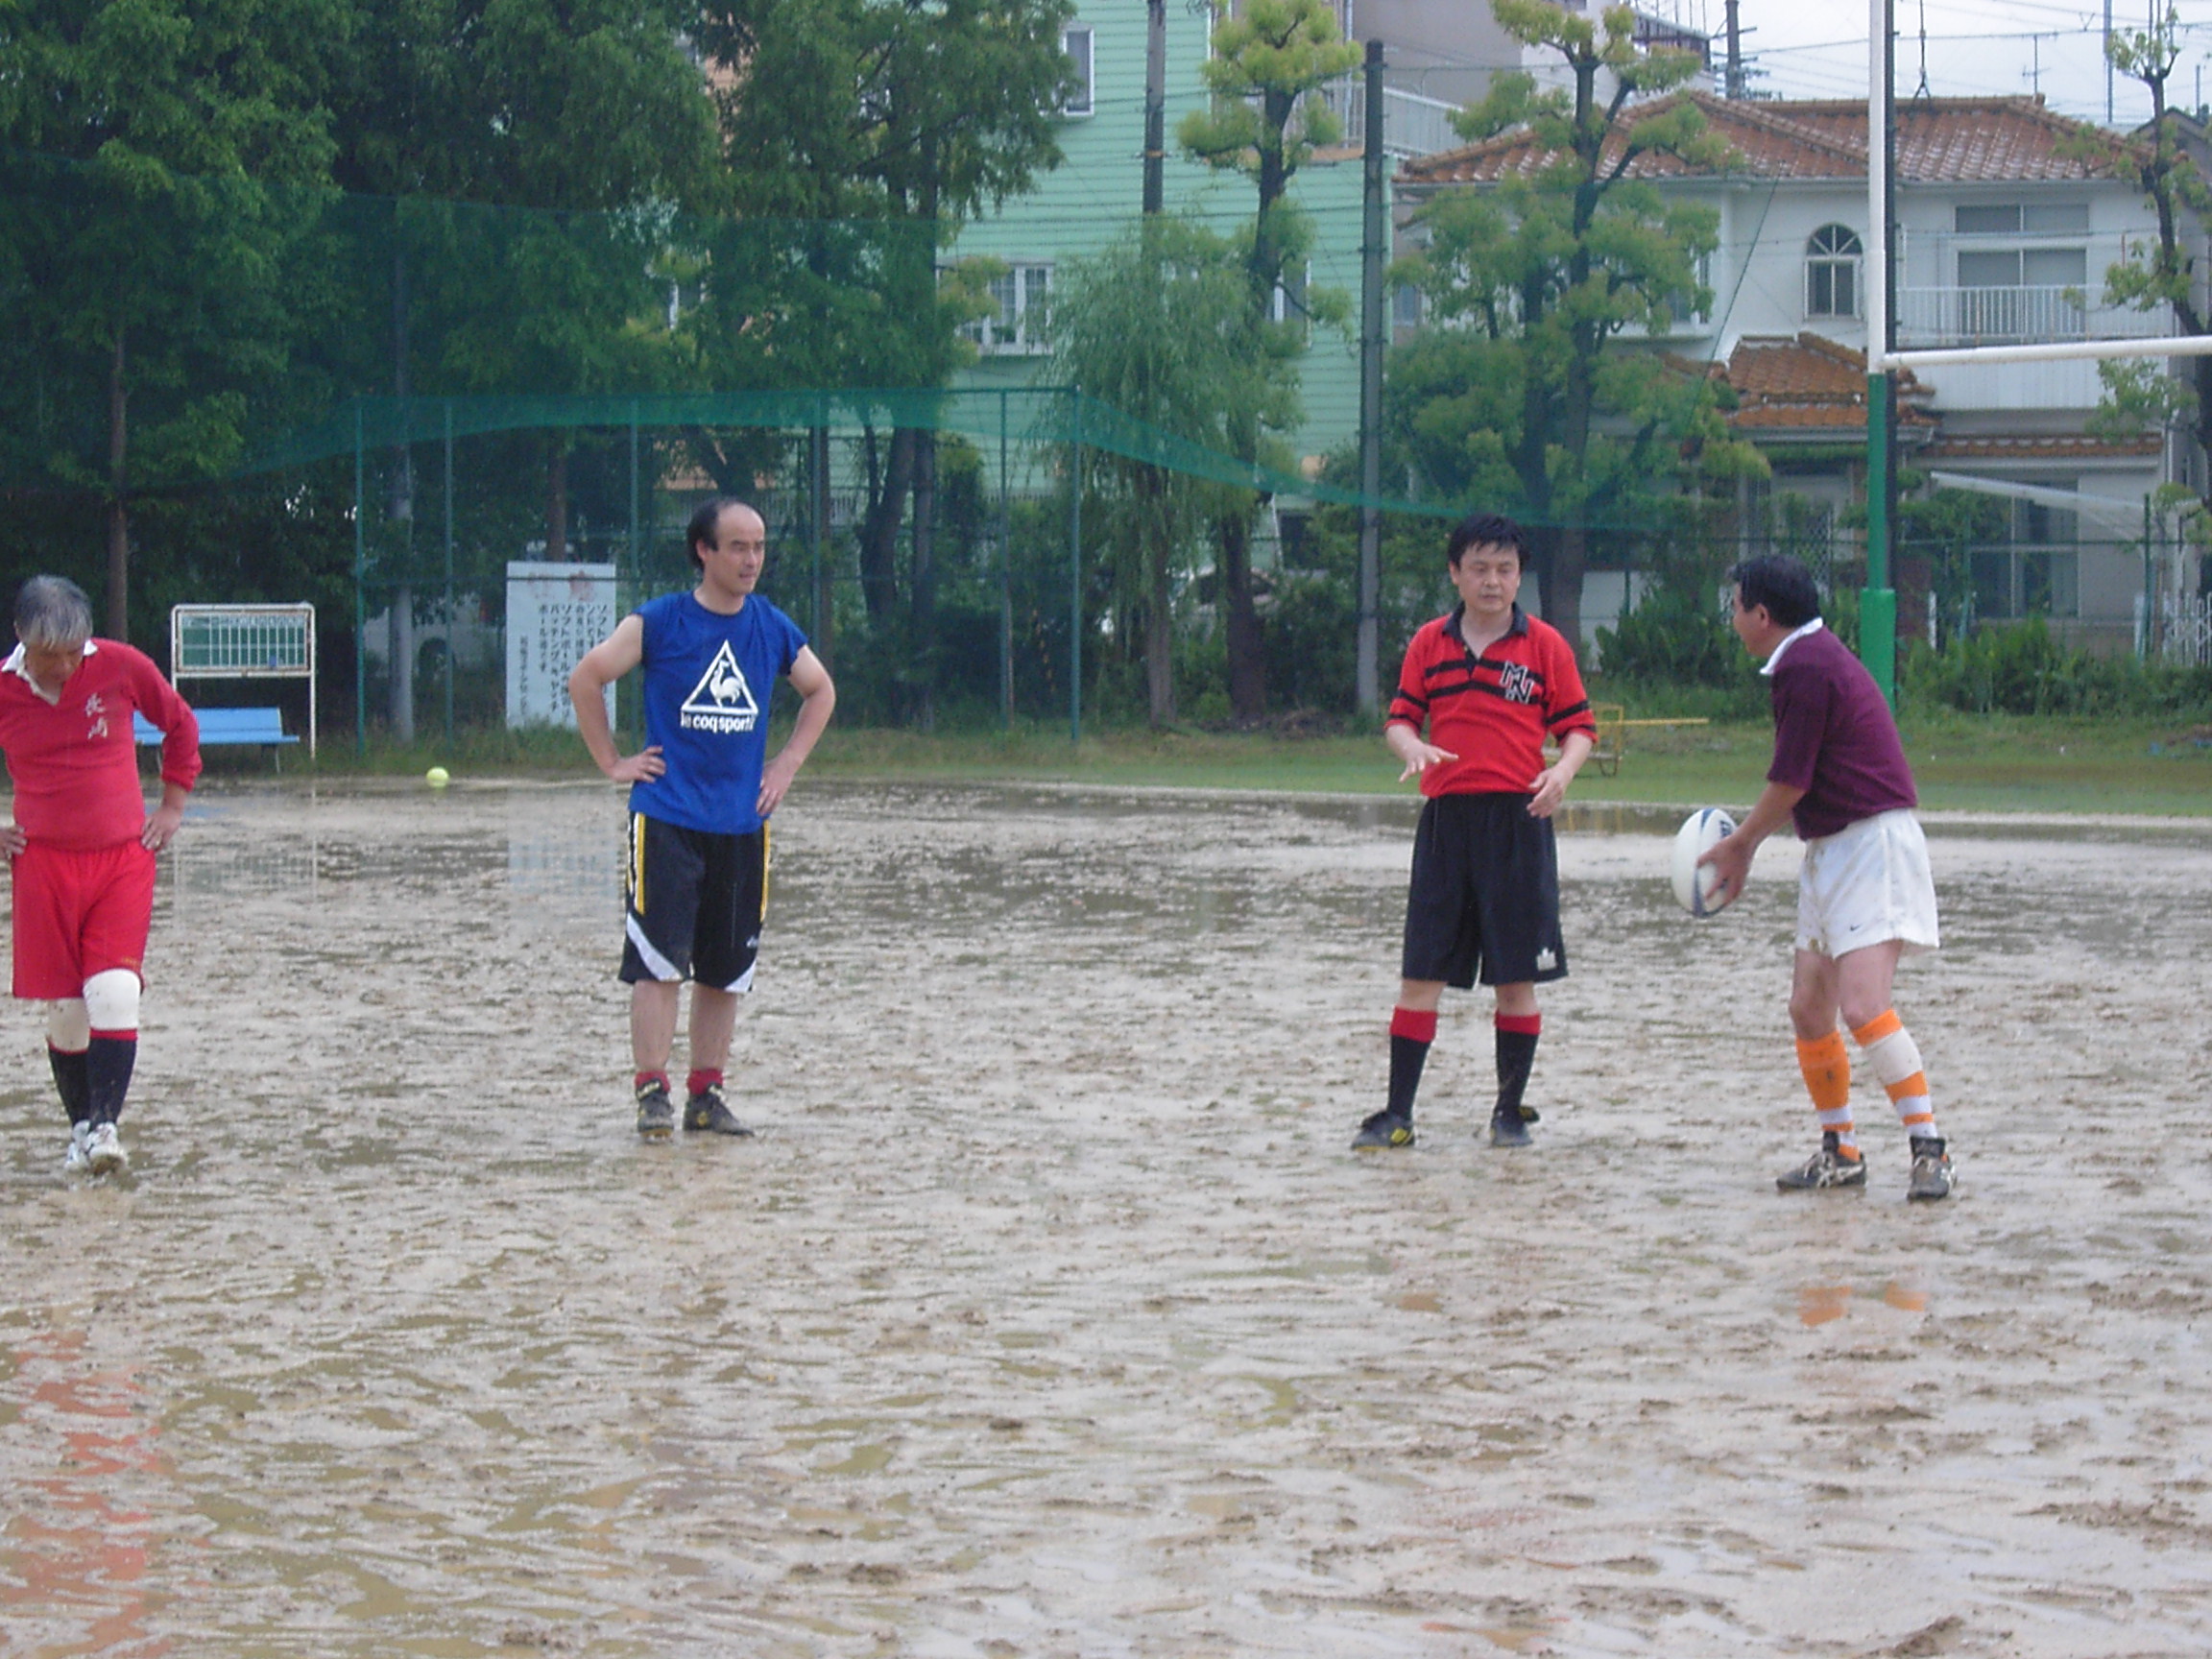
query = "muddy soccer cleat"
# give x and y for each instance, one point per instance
(1386, 1129)
(656, 1112)
(1509, 1128)
(1932, 1176)
(77, 1159)
(103, 1153)
(707, 1110)
(1826, 1167)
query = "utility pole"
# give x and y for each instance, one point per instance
(1372, 326)
(2108, 62)
(1156, 104)
(1735, 82)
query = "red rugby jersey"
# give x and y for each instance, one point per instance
(1491, 711)
(75, 761)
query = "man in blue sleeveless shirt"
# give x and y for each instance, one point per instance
(701, 793)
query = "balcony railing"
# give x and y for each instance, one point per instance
(1930, 316)
(1413, 125)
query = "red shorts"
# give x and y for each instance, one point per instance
(79, 912)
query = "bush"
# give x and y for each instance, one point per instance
(1672, 638)
(2021, 669)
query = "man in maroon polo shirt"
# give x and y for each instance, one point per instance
(1866, 897)
(1486, 683)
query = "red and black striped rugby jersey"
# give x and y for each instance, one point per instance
(1491, 711)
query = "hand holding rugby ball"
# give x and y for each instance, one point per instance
(1699, 890)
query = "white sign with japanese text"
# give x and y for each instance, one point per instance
(555, 613)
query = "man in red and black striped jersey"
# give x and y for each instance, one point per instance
(81, 847)
(1487, 684)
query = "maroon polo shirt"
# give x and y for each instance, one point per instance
(1834, 738)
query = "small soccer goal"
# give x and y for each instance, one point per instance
(245, 642)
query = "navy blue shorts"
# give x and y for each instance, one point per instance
(1483, 902)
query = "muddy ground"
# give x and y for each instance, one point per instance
(1049, 1314)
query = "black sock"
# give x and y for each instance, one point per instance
(108, 1065)
(71, 1082)
(1407, 1056)
(1411, 1031)
(1516, 1058)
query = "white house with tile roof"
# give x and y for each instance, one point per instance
(2007, 220)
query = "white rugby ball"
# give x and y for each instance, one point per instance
(1695, 888)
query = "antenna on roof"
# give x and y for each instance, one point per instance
(1923, 92)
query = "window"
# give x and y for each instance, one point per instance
(2023, 219)
(1832, 265)
(1682, 310)
(2031, 290)
(2025, 268)
(1076, 43)
(1287, 304)
(2023, 294)
(1405, 307)
(1016, 324)
(2037, 572)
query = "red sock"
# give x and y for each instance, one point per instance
(645, 1079)
(702, 1079)
(1420, 1025)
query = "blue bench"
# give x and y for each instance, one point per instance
(226, 726)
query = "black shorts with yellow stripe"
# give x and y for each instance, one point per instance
(693, 900)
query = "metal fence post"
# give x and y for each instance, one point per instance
(1005, 575)
(449, 570)
(360, 602)
(1076, 567)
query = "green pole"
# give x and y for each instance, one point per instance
(1878, 601)
(1005, 577)
(1076, 567)
(448, 569)
(360, 603)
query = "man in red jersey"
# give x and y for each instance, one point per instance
(82, 846)
(1488, 681)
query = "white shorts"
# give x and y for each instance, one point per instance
(1866, 884)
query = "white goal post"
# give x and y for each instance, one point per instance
(246, 642)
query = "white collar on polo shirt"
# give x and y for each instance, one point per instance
(16, 667)
(1774, 658)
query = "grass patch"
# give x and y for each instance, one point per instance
(1962, 762)
(1997, 763)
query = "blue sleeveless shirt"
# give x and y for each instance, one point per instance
(707, 682)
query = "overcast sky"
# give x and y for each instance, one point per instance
(1975, 48)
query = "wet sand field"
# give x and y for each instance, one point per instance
(1048, 1314)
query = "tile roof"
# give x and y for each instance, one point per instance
(1939, 140)
(1808, 384)
(2059, 447)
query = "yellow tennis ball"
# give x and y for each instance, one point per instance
(437, 778)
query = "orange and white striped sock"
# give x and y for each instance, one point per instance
(1895, 1057)
(1827, 1066)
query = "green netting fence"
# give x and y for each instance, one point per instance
(281, 394)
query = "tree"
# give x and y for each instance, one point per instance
(153, 244)
(1156, 328)
(916, 115)
(2141, 394)
(1269, 57)
(518, 257)
(1542, 273)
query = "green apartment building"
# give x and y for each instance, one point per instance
(1096, 193)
